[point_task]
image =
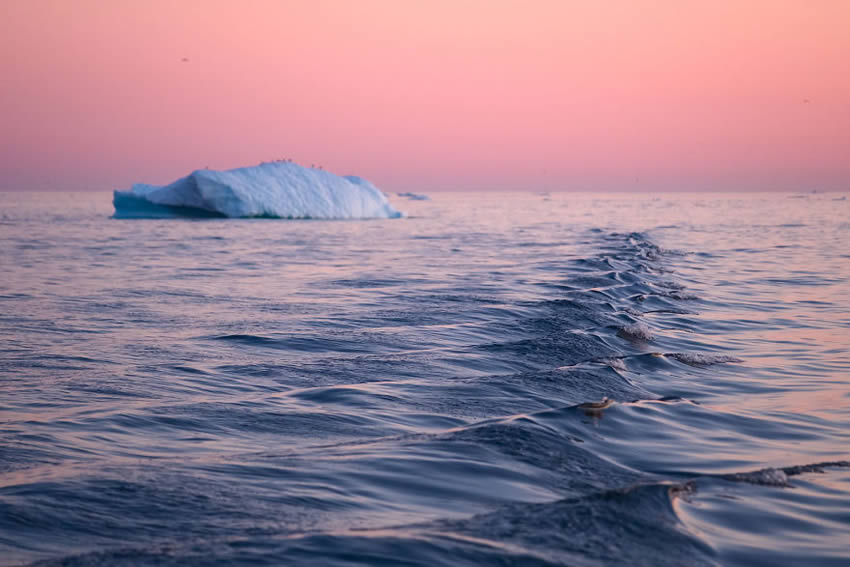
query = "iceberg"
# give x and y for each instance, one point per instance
(414, 196)
(270, 190)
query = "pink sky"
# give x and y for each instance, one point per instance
(472, 95)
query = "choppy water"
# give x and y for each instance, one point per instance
(430, 390)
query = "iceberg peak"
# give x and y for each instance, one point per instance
(279, 189)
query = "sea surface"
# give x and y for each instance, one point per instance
(498, 379)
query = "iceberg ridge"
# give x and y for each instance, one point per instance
(272, 190)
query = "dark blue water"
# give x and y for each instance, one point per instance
(495, 380)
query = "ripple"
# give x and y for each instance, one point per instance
(494, 381)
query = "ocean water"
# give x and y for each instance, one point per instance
(498, 379)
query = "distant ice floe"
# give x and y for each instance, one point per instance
(414, 196)
(271, 190)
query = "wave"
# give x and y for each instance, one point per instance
(636, 331)
(702, 359)
(456, 422)
(780, 476)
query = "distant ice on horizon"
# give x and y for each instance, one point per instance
(272, 190)
(415, 196)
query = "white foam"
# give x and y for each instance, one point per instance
(615, 363)
(702, 359)
(637, 331)
(764, 477)
(279, 189)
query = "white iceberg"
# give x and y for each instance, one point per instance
(273, 190)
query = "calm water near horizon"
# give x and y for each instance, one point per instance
(498, 379)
